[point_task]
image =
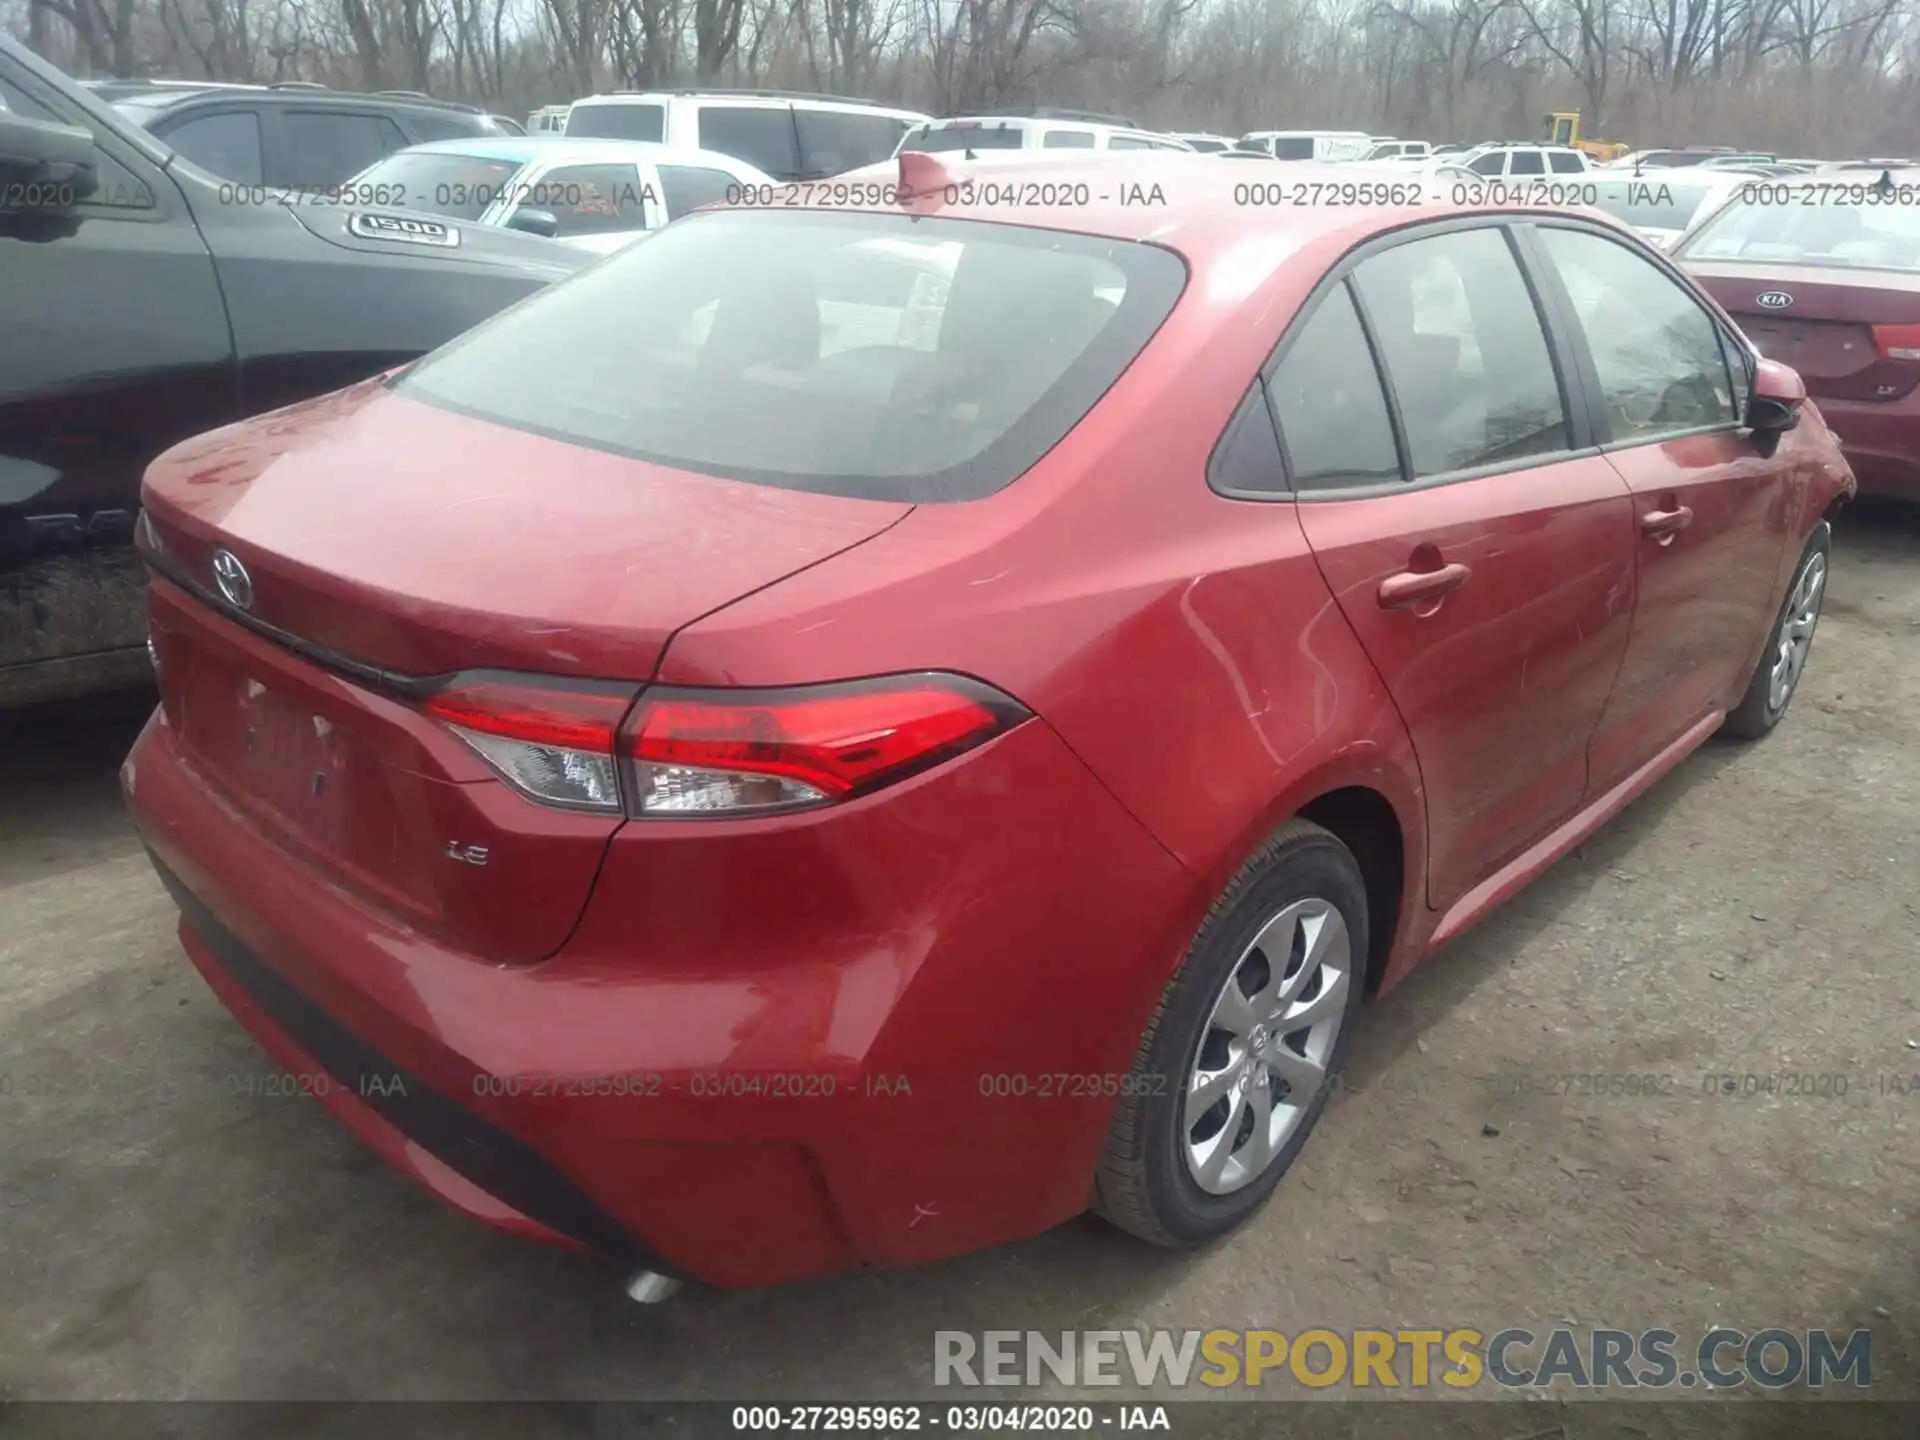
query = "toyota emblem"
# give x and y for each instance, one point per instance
(1773, 299)
(232, 578)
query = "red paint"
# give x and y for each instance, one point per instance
(1198, 670)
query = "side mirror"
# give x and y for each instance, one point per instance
(47, 167)
(543, 223)
(1778, 394)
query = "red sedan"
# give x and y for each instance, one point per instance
(1823, 274)
(846, 736)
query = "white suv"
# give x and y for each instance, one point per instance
(789, 134)
(1046, 129)
(1309, 144)
(1508, 162)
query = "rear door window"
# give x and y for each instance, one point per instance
(761, 135)
(1128, 142)
(1526, 162)
(1465, 350)
(1329, 404)
(835, 141)
(1567, 164)
(878, 355)
(324, 147)
(615, 120)
(1067, 140)
(226, 144)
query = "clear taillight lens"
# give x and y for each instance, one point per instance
(719, 752)
(551, 741)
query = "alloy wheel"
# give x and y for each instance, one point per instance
(1802, 613)
(1262, 1058)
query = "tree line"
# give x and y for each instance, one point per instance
(1828, 78)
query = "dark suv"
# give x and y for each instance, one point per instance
(294, 136)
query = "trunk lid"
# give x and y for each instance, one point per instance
(411, 539)
(400, 538)
(1824, 327)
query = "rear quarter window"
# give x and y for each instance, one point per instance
(926, 360)
(761, 135)
(835, 141)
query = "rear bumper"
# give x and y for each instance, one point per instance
(472, 1163)
(749, 1114)
(1881, 442)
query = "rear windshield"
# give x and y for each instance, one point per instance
(942, 138)
(457, 186)
(1832, 232)
(881, 356)
(1650, 204)
(612, 121)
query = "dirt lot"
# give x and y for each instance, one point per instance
(164, 1235)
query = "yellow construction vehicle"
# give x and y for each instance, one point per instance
(1563, 128)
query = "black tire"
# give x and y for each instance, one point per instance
(1144, 1184)
(1756, 714)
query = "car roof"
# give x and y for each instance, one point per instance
(1202, 213)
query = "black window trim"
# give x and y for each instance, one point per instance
(1253, 401)
(1576, 389)
(1596, 402)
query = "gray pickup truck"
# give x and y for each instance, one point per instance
(143, 300)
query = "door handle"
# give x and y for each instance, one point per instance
(1410, 587)
(1665, 524)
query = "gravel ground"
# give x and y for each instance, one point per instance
(168, 1237)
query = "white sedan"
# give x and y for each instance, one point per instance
(596, 194)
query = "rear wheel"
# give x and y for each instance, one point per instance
(1784, 660)
(1235, 1066)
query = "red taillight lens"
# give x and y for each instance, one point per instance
(718, 752)
(552, 741)
(1897, 342)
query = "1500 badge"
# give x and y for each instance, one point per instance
(404, 229)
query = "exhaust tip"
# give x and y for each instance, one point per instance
(649, 1287)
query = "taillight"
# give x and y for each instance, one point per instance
(551, 740)
(717, 752)
(721, 752)
(1897, 342)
